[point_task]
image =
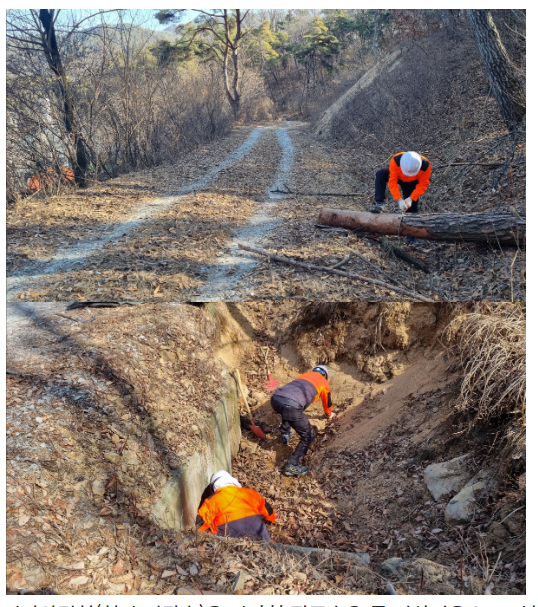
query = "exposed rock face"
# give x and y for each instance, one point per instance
(462, 506)
(446, 477)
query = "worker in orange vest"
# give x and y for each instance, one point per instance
(290, 402)
(227, 509)
(409, 171)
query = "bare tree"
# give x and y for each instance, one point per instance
(226, 32)
(37, 32)
(501, 72)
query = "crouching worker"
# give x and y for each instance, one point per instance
(409, 171)
(290, 402)
(229, 510)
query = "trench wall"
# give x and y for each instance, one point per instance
(178, 504)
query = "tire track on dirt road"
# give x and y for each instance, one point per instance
(222, 280)
(77, 254)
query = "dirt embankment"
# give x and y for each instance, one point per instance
(103, 405)
(394, 387)
(76, 524)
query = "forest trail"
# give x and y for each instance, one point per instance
(172, 233)
(82, 250)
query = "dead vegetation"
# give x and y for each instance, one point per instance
(490, 344)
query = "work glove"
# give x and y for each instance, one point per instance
(408, 202)
(401, 204)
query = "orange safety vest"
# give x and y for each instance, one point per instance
(321, 385)
(230, 504)
(396, 174)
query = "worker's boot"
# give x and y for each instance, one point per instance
(285, 438)
(379, 207)
(295, 470)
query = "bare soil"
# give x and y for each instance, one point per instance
(172, 233)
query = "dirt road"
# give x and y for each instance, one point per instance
(172, 233)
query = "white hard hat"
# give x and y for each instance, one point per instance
(323, 370)
(410, 163)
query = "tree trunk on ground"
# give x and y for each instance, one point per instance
(50, 47)
(505, 84)
(495, 228)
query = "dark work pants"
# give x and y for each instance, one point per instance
(408, 187)
(294, 417)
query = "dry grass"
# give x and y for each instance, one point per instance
(491, 345)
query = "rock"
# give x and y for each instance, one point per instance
(79, 580)
(112, 457)
(260, 397)
(35, 577)
(319, 424)
(461, 507)
(446, 477)
(239, 582)
(130, 458)
(98, 488)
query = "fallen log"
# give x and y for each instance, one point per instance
(497, 228)
(314, 268)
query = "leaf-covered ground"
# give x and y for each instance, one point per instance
(142, 237)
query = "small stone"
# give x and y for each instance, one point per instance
(195, 428)
(98, 487)
(445, 477)
(115, 439)
(130, 458)
(239, 582)
(39, 419)
(112, 457)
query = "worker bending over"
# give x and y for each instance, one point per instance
(409, 171)
(290, 402)
(229, 510)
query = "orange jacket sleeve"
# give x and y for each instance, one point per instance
(423, 183)
(205, 514)
(326, 401)
(393, 179)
